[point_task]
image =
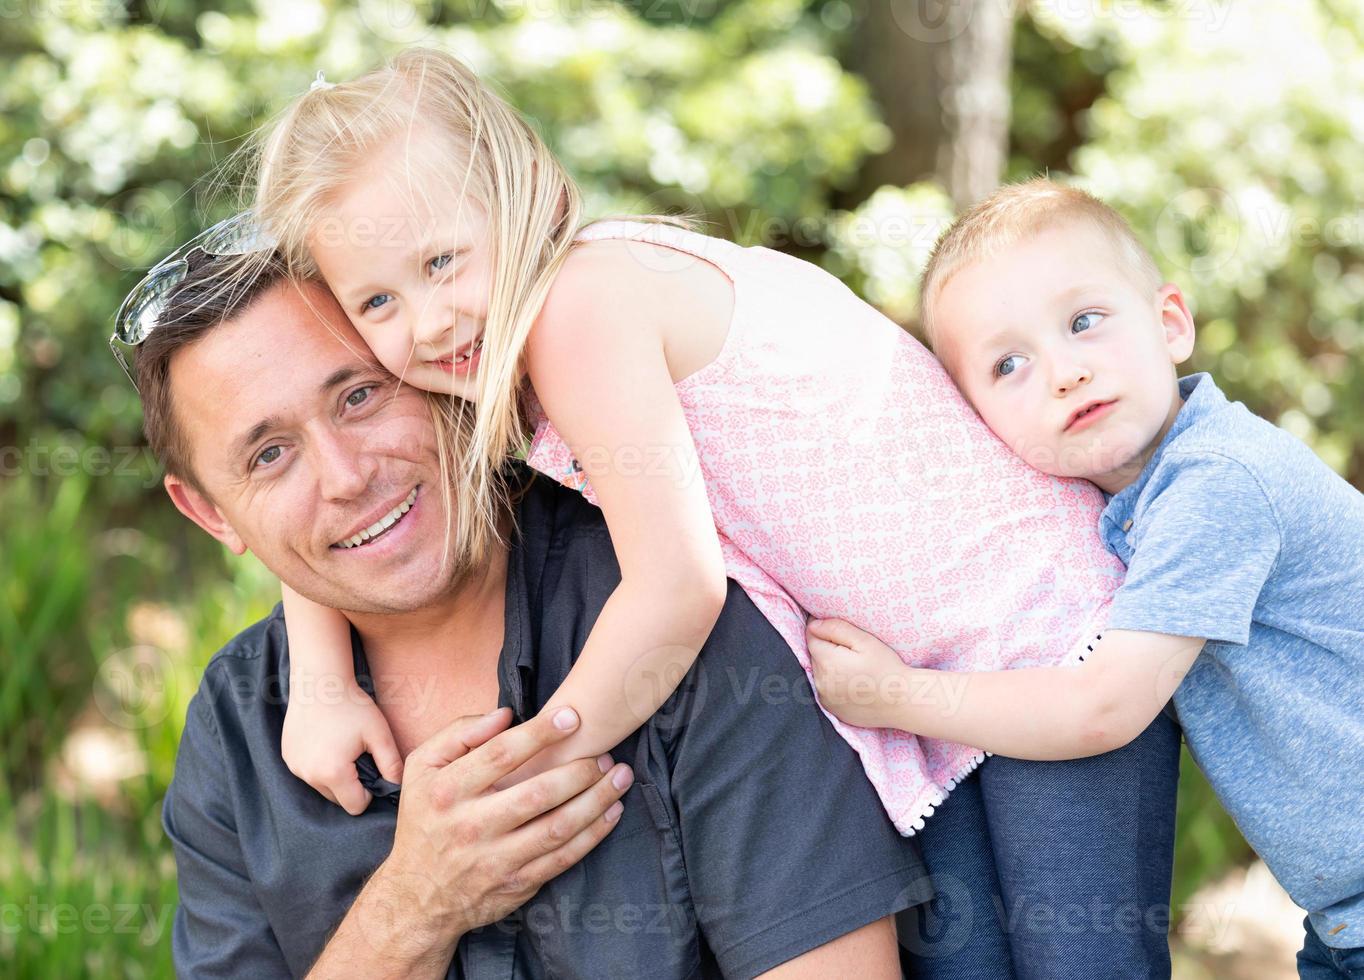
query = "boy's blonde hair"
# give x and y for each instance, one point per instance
(1015, 212)
(496, 159)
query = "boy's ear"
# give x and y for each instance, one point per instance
(203, 512)
(1176, 323)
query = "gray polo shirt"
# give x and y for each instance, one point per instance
(749, 836)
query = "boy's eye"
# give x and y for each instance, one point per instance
(1083, 322)
(374, 302)
(1007, 365)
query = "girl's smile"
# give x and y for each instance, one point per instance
(465, 360)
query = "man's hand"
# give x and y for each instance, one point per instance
(859, 679)
(465, 853)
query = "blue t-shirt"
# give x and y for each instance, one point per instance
(1236, 532)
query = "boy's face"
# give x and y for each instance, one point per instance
(1064, 354)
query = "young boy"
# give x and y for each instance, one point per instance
(1244, 595)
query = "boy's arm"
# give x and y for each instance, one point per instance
(1042, 713)
(1204, 541)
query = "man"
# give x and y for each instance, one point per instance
(739, 835)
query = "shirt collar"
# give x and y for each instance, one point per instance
(1201, 396)
(516, 662)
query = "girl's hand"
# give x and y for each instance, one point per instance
(549, 757)
(858, 678)
(323, 738)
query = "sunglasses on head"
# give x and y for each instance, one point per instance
(141, 310)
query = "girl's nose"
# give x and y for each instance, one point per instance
(434, 329)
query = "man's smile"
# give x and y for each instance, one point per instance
(379, 526)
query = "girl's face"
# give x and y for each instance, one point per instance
(407, 258)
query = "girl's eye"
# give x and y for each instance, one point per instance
(268, 455)
(359, 396)
(1007, 365)
(1083, 322)
(374, 302)
(441, 261)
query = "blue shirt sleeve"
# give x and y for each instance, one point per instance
(220, 928)
(1205, 540)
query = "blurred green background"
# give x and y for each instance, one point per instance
(1231, 135)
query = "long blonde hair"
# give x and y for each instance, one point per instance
(534, 211)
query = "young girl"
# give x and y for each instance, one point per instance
(733, 411)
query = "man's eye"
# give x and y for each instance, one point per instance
(374, 302)
(268, 455)
(1083, 322)
(359, 396)
(1007, 365)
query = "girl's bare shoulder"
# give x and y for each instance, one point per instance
(685, 301)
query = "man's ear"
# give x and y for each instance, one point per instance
(1176, 323)
(203, 512)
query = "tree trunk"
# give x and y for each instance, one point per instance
(940, 71)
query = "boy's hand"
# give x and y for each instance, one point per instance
(858, 678)
(322, 739)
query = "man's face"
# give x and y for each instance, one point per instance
(304, 445)
(1064, 354)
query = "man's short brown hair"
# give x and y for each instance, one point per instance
(217, 289)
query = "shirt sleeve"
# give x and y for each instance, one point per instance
(787, 845)
(220, 928)
(1203, 546)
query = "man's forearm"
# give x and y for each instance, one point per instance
(387, 933)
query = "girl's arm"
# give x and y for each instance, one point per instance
(329, 720)
(596, 360)
(1042, 713)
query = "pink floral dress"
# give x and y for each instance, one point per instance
(849, 478)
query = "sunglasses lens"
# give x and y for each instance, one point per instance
(238, 235)
(140, 311)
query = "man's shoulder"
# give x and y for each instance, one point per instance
(551, 511)
(246, 672)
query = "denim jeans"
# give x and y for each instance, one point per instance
(1052, 870)
(1317, 961)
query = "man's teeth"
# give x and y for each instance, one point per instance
(382, 524)
(472, 351)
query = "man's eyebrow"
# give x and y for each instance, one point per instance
(338, 377)
(253, 435)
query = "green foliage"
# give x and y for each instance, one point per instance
(1231, 138)
(1229, 134)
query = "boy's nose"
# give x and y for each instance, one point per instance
(1067, 377)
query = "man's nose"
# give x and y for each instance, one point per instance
(345, 465)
